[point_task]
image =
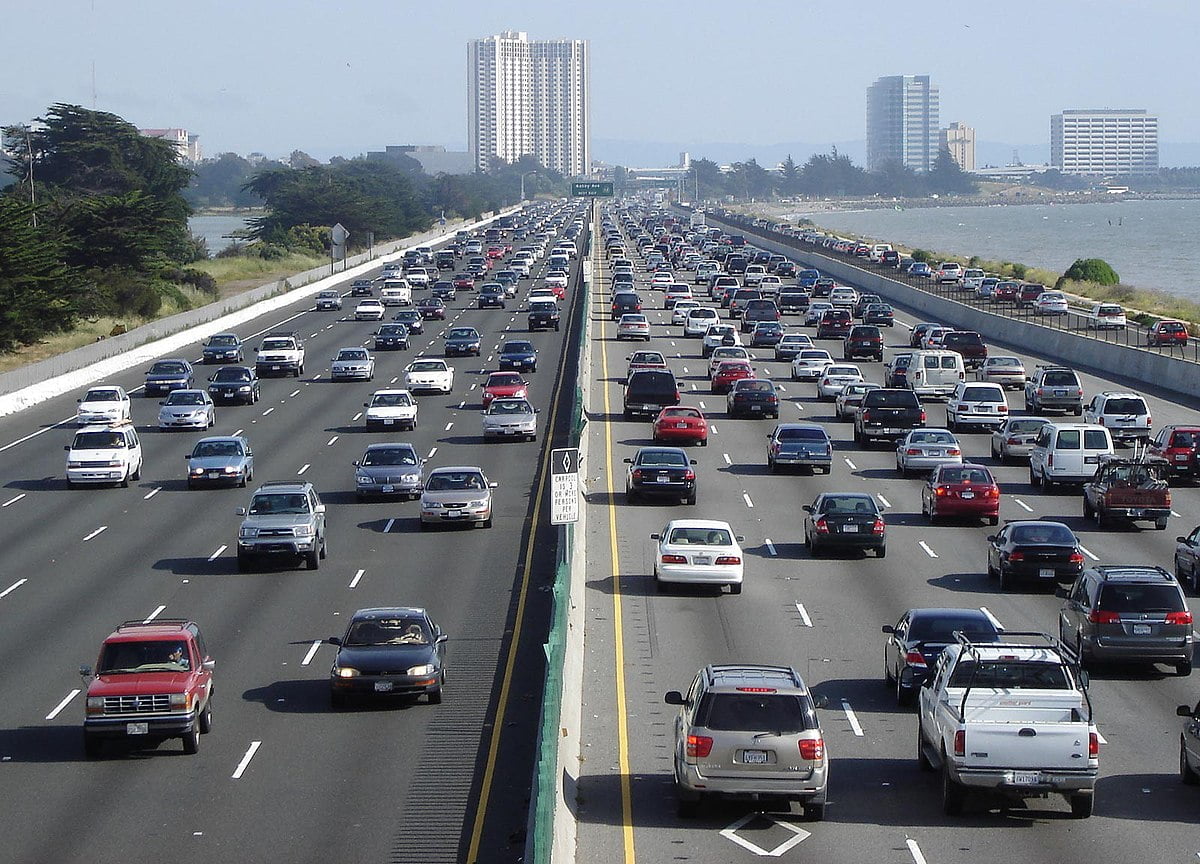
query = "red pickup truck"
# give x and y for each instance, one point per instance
(1130, 489)
(153, 681)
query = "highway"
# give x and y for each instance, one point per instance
(282, 776)
(824, 617)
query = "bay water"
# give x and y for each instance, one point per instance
(214, 227)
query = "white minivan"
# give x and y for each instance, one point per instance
(936, 372)
(1068, 453)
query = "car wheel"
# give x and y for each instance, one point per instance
(1081, 804)
(1161, 524)
(814, 812)
(313, 560)
(922, 760)
(1033, 478)
(487, 523)
(242, 480)
(324, 547)
(691, 499)
(953, 793)
(1183, 668)
(881, 551)
(1005, 579)
(191, 741)
(1088, 512)
(903, 696)
(435, 696)
(206, 716)
(1187, 774)
(993, 520)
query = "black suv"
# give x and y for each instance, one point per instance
(863, 340)
(648, 391)
(887, 413)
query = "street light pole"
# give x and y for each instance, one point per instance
(523, 176)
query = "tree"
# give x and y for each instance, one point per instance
(707, 179)
(948, 177)
(833, 174)
(1090, 270)
(751, 180)
(219, 182)
(39, 292)
(895, 178)
(789, 176)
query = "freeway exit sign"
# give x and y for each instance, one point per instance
(591, 190)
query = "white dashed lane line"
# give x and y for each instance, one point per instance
(928, 551)
(95, 533)
(312, 652)
(803, 615)
(728, 461)
(852, 718)
(331, 441)
(11, 588)
(770, 547)
(268, 411)
(852, 466)
(387, 529)
(746, 498)
(217, 554)
(1022, 504)
(882, 500)
(293, 394)
(913, 849)
(1088, 552)
(357, 577)
(356, 417)
(63, 704)
(13, 500)
(158, 611)
(245, 763)
(432, 450)
(303, 468)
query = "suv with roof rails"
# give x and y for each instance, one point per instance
(284, 520)
(1124, 414)
(1056, 388)
(749, 732)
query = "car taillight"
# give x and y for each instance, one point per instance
(673, 559)
(1016, 556)
(940, 490)
(1003, 409)
(912, 451)
(1100, 616)
(954, 451)
(729, 559)
(915, 658)
(922, 410)
(1013, 441)
(689, 474)
(1093, 744)
(1041, 391)
(1101, 421)
(699, 746)
(1076, 558)
(1184, 617)
(812, 749)
(821, 525)
(960, 742)
(637, 473)
(1049, 460)
(991, 492)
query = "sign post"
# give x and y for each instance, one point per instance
(564, 486)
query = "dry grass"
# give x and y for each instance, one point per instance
(237, 269)
(59, 343)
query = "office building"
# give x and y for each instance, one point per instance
(902, 122)
(529, 98)
(185, 144)
(960, 141)
(1104, 143)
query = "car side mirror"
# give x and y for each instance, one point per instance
(1060, 591)
(187, 457)
(991, 538)
(807, 508)
(888, 628)
(440, 638)
(355, 463)
(821, 701)
(674, 697)
(655, 536)
(741, 538)
(493, 484)
(693, 461)
(86, 672)
(627, 460)
(928, 682)
(320, 508)
(1181, 711)
(1181, 540)
(78, 400)
(241, 511)
(68, 447)
(334, 640)
(255, 350)
(208, 665)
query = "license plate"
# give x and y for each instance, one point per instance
(755, 407)
(387, 489)
(849, 529)
(1026, 778)
(1060, 392)
(662, 479)
(213, 475)
(137, 728)
(274, 368)
(754, 757)
(702, 559)
(453, 514)
(383, 686)
(935, 453)
(388, 421)
(968, 494)
(1046, 572)
(680, 425)
(1141, 629)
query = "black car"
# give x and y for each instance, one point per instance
(888, 413)
(792, 300)
(167, 375)
(543, 314)
(786, 270)
(648, 391)
(519, 355)
(443, 289)
(863, 340)
(753, 397)
(234, 384)
(412, 319)
(850, 520)
(391, 337)
(623, 302)
(880, 314)
(916, 640)
(766, 334)
(222, 348)
(890, 258)
(362, 288)
(462, 342)
(432, 307)
(660, 472)
(388, 651)
(1036, 551)
(865, 300)
(491, 295)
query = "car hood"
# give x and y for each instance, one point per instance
(138, 683)
(455, 496)
(167, 376)
(392, 410)
(104, 455)
(281, 520)
(382, 471)
(100, 407)
(216, 462)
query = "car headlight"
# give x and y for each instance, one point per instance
(362, 478)
(231, 469)
(303, 531)
(430, 505)
(181, 701)
(115, 463)
(196, 472)
(95, 705)
(482, 502)
(427, 669)
(248, 532)
(411, 478)
(244, 389)
(345, 672)
(73, 464)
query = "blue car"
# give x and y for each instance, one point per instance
(920, 270)
(167, 375)
(808, 278)
(518, 355)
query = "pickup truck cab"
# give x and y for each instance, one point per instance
(1131, 489)
(1010, 717)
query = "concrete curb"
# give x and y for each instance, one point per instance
(95, 362)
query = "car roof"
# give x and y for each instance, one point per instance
(698, 523)
(456, 469)
(386, 612)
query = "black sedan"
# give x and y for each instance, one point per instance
(412, 319)
(916, 640)
(388, 651)
(752, 397)
(848, 520)
(362, 288)
(1034, 550)
(491, 296)
(462, 342)
(234, 384)
(518, 355)
(660, 472)
(443, 289)
(223, 348)
(432, 307)
(167, 375)
(391, 337)
(879, 313)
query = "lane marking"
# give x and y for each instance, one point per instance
(387, 529)
(728, 461)
(703, 407)
(449, 426)
(431, 452)
(357, 576)
(268, 411)
(803, 614)
(1088, 552)
(293, 394)
(713, 428)
(913, 848)
(356, 417)
(312, 652)
(245, 763)
(329, 443)
(928, 551)
(217, 554)
(995, 621)
(746, 498)
(37, 433)
(1021, 503)
(13, 587)
(463, 403)
(63, 704)
(96, 533)
(1173, 513)
(771, 547)
(238, 431)
(882, 500)
(13, 500)
(153, 614)
(850, 715)
(303, 468)
(853, 467)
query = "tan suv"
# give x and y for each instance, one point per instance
(749, 732)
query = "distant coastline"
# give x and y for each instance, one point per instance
(804, 207)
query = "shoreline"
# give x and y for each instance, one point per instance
(801, 208)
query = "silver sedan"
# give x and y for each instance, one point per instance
(835, 378)
(187, 409)
(1015, 436)
(925, 449)
(220, 459)
(510, 418)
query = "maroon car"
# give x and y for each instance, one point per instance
(1167, 332)
(966, 490)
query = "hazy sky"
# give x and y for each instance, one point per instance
(343, 77)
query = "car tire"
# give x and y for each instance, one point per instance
(191, 741)
(922, 760)
(205, 721)
(486, 523)
(313, 560)
(1005, 579)
(691, 499)
(435, 696)
(814, 812)
(881, 551)
(993, 520)
(1161, 524)
(1186, 774)
(954, 794)
(1082, 804)
(241, 480)
(1183, 668)
(324, 547)
(1088, 512)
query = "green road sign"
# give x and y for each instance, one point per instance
(591, 190)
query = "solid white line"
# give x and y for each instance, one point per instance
(37, 433)
(96, 533)
(63, 704)
(913, 848)
(293, 394)
(387, 529)
(995, 621)
(303, 468)
(853, 467)
(928, 551)
(803, 614)
(356, 417)
(852, 718)
(153, 615)
(728, 461)
(329, 443)
(882, 500)
(431, 452)
(1023, 504)
(268, 411)
(312, 652)
(217, 554)
(799, 406)
(241, 768)
(1088, 552)
(771, 547)
(13, 587)
(357, 576)
(151, 493)
(746, 498)
(449, 425)
(13, 500)
(474, 384)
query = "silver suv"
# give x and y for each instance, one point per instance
(284, 520)
(749, 732)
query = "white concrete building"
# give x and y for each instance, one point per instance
(959, 139)
(902, 122)
(1104, 142)
(529, 98)
(185, 144)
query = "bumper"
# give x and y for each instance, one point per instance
(95, 475)
(285, 367)
(508, 364)
(1128, 433)
(222, 357)
(368, 316)
(402, 422)
(1014, 382)
(1163, 650)
(465, 516)
(385, 685)
(524, 430)
(972, 507)
(811, 788)
(682, 435)
(683, 574)
(387, 490)
(803, 460)
(215, 478)
(990, 420)
(861, 540)
(232, 395)
(188, 423)
(131, 726)
(1044, 571)
(889, 432)
(281, 548)
(350, 374)
(1012, 782)
(163, 386)
(664, 490)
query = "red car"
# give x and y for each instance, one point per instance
(728, 372)
(504, 384)
(1167, 332)
(432, 307)
(1180, 447)
(1005, 292)
(495, 252)
(464, 282)
(961, 490)
(681, 424)
(560, 291)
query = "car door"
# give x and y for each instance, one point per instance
(894, 649)
(994, 547)
(1187, 552)
(1093, 410)
(1191, 737)
(1075, 607)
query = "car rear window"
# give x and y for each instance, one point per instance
(1068, 439)
(1010, 675)
(1125, 405)
(801, 434)
(983, 394)
(1140, 597)
(891, 399)
(1058, 535)
(785, 714)
(942, 629)
(964, 475)
(1060, 379)
(1095, 439)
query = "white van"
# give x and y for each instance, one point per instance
(936, 372)
(1068, 453)
(396, 292)
(876, 254)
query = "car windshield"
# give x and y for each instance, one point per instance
(451, 481)
(390, 400)
(276, 344)
(389, 456)
(162, 655)
(184, 398)
(329, 294)
(661, 459)
(848, 504)
(964, 475)
(517, 348)
(510, 406)
(222, 341)
(428, 366)
(388, 631)
(217, 448)
(1009, 675)
(278, 503)
(352, 354)
(1140, 597)
(168, 369)
(102, 396)
(779, 713)
(231, 373)
(393, 330)
(941, 628)
(681, 412)
(98, 441)
(756, 386)
(463, 333)
(1058, 535)
(700, 536)
(506, 379)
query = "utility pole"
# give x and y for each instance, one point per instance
(32, 195)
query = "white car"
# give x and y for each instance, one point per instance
(521, 265)
(391, 408)
(1002, 369)
(976, 403)
(698, 552)
(679, 312)
(429, 375)
(932, 338)
(104, 454)
(754, 274)
(705, 272)
(1106, 316)
(369, 310)
(510, 418)
(187, 409)
(791, 344)
(816, 311)
(536, 294)
(556, 277)
(835, 378)
(770, 285)
(717, 335)
(417, 276)
(1051, 303)
(661, 281)
(843, 297)
(633, 325)
(810, 363)
(727, 352)
(850, 398)
(925, 449)
(675, 292)
(105, 404)
(352, 364)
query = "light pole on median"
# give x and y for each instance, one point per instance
(523, 176)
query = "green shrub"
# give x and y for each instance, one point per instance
(921, 255)
(1018, 270)
(974, 261)
(1090, 270)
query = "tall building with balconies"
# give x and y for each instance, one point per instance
(1104, 143)
(902, 122)
(960, 141)
(529, 98)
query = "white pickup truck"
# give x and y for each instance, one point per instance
(1012, 718)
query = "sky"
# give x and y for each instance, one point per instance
(341, 78)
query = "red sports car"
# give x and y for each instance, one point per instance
(504, 384)
(961, 490)
(728, 372)
(680, 424)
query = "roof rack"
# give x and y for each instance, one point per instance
(281, 483)
(1068, 659)
(157, 622)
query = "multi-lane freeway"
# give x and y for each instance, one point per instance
(282, 777)
(824, 617)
